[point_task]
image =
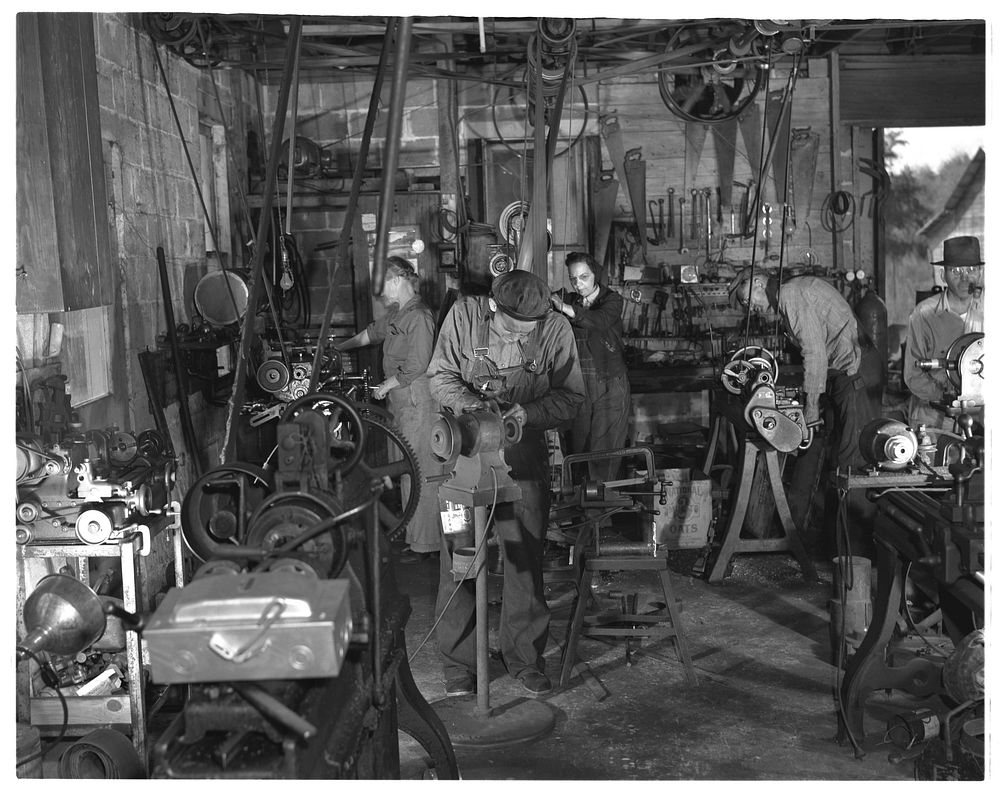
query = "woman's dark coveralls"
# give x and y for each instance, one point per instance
(603, 420)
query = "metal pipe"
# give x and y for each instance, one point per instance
(290, 179)
(180, 374)
(375, 561)
(263, 227)
(482, 617)
(395, 123)
(343, 244)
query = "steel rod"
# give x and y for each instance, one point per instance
(394, 125)
(343, 244)
(482, 613)
(256, 275)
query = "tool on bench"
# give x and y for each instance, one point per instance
(670, 212)
(660, 300)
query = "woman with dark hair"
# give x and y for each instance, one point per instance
(406, 332)
(595, 312)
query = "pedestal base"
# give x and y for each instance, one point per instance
(513, 723)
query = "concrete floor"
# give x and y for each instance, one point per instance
(764, 708)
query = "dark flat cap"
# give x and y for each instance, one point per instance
(521, 295)
(960, 251)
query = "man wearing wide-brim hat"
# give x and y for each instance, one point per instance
(936, 322)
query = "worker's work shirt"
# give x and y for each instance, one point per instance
(934, 326)
(822, 324)
(540, 372)
(407, 337)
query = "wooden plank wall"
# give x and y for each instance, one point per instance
(646, 122)
(39, 283)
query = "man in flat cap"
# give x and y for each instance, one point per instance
(936, 322)
(509, 348)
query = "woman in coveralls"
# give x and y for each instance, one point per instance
(509, 348)
(406, 332)
(595, 312)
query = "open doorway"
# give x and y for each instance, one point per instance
(938, 179)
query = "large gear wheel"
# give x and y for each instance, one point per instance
(387, 454)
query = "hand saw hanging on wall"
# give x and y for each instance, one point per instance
(635, 173)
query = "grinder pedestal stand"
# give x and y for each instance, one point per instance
(476, 484)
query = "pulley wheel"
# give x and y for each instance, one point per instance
(122, 448)
(283, 517)
(151, 444)
(706, 83)
(446, 439)
(345, 430)
(499, 264)
(272, 375)
(217, 508)
(513, 221)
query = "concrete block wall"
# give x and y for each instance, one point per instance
(153, 200)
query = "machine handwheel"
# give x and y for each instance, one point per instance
(735, 376)
(707, 84)
(217, 508)
(388, 456)
(965, 345)
(345, 428)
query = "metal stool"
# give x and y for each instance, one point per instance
(625, 624)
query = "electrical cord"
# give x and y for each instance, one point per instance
(837, 206)
(52, 680)
(465, 576)
(909, 616)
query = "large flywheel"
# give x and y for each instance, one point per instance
(388, 457)
(708, 82)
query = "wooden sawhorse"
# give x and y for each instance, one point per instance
(652, 627)
(752, 449)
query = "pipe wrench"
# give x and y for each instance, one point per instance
(670, 212)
